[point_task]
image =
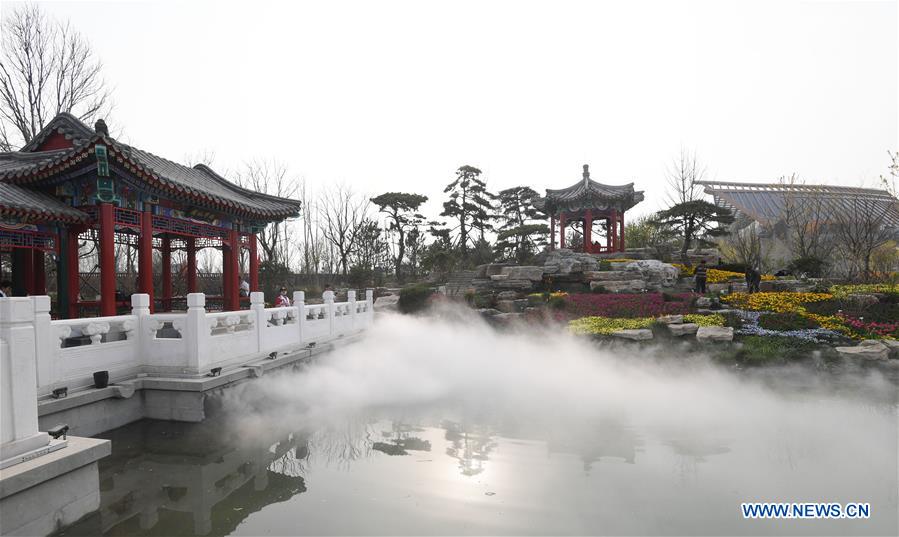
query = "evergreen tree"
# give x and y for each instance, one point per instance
(519, 236)
(469, 204)
(402, 211)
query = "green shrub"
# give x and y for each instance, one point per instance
(556, 302)
(786, 321)
(414, 298)
(758, 350)
(811, 266)
(604, 265)
(599, 289)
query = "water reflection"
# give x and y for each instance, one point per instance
(167, 478)
(470, 445)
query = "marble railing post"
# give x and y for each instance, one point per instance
(299, 300)
(196, 332)
(370, 306)
(44, 339)
(257, 305)
(351, 300)
(140, 308)
(18, 383)
(329, 308)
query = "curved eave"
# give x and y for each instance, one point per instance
(66, 160)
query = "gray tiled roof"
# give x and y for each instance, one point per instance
(766, 202)
(67, 125)
(199, 181)
(587, 193)
(17, 199)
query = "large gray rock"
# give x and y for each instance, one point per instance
(629, 286)
(534, 274)
(511, 306)
(489, 312)
(513, 284)
(893, 346)
(671, 319)
(686, 329)
(606, 275)
(639, 334)
(703, 302)
(507, 317)
(499, 277)
(387, 303)
(655, 273)
(507, 295)
(869, 349)
(714, 334)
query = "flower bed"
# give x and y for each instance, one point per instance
(843, 291)
(606, 325)
(715, 319)
(785, 302)
(628, 306)
(719, 276)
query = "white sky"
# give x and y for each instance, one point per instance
(394, 95)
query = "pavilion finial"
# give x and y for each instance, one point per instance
(101, 128)
(586, 171)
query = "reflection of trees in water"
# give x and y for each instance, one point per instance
(690, 452)
(592, 442)
(293, 463)
(341, 445)
(471, 445)
(400, 440)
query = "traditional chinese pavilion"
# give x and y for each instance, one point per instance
(586, 203)
(72, 184)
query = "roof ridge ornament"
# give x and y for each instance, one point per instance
(586, 175)
(101, 128)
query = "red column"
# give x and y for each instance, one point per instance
(107, 259)
(613, 222)
(27, 258)
(254, 264)
(166, 273)
(588, 231)
(74, 274)
(145, 255)
(191, 265)
(232, 298)
(552, 232)
(561, 230)
(40, 274)
(621, 246)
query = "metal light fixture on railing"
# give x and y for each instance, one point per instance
(215, 371)
(59, 393)
(59, 430)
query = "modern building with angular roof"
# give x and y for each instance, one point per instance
(72, 182)
(587, 202)
(767, 203)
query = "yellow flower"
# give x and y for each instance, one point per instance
(786, 302)
(606, 325)
(842, 291)
(715, 319)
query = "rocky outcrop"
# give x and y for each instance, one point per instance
(671, 319)
(678, 330)
(511, 306)
(655, 273)
(640, 334)
(869, 349)
(532, 273)
(387, 303)
(714, 334)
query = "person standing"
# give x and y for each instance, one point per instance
(5, 289)
(700, 276)
(753, 280)
(282, 300)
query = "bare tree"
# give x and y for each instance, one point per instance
(891, 182)
(272, 177)
(46, 68)
(683, 174)
(804, 215)
(861, 226)
(342, 214)
(745, 245)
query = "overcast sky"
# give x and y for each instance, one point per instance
(394, 96)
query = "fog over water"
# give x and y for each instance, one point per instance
(578, 438)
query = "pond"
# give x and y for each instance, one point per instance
(437, 427)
